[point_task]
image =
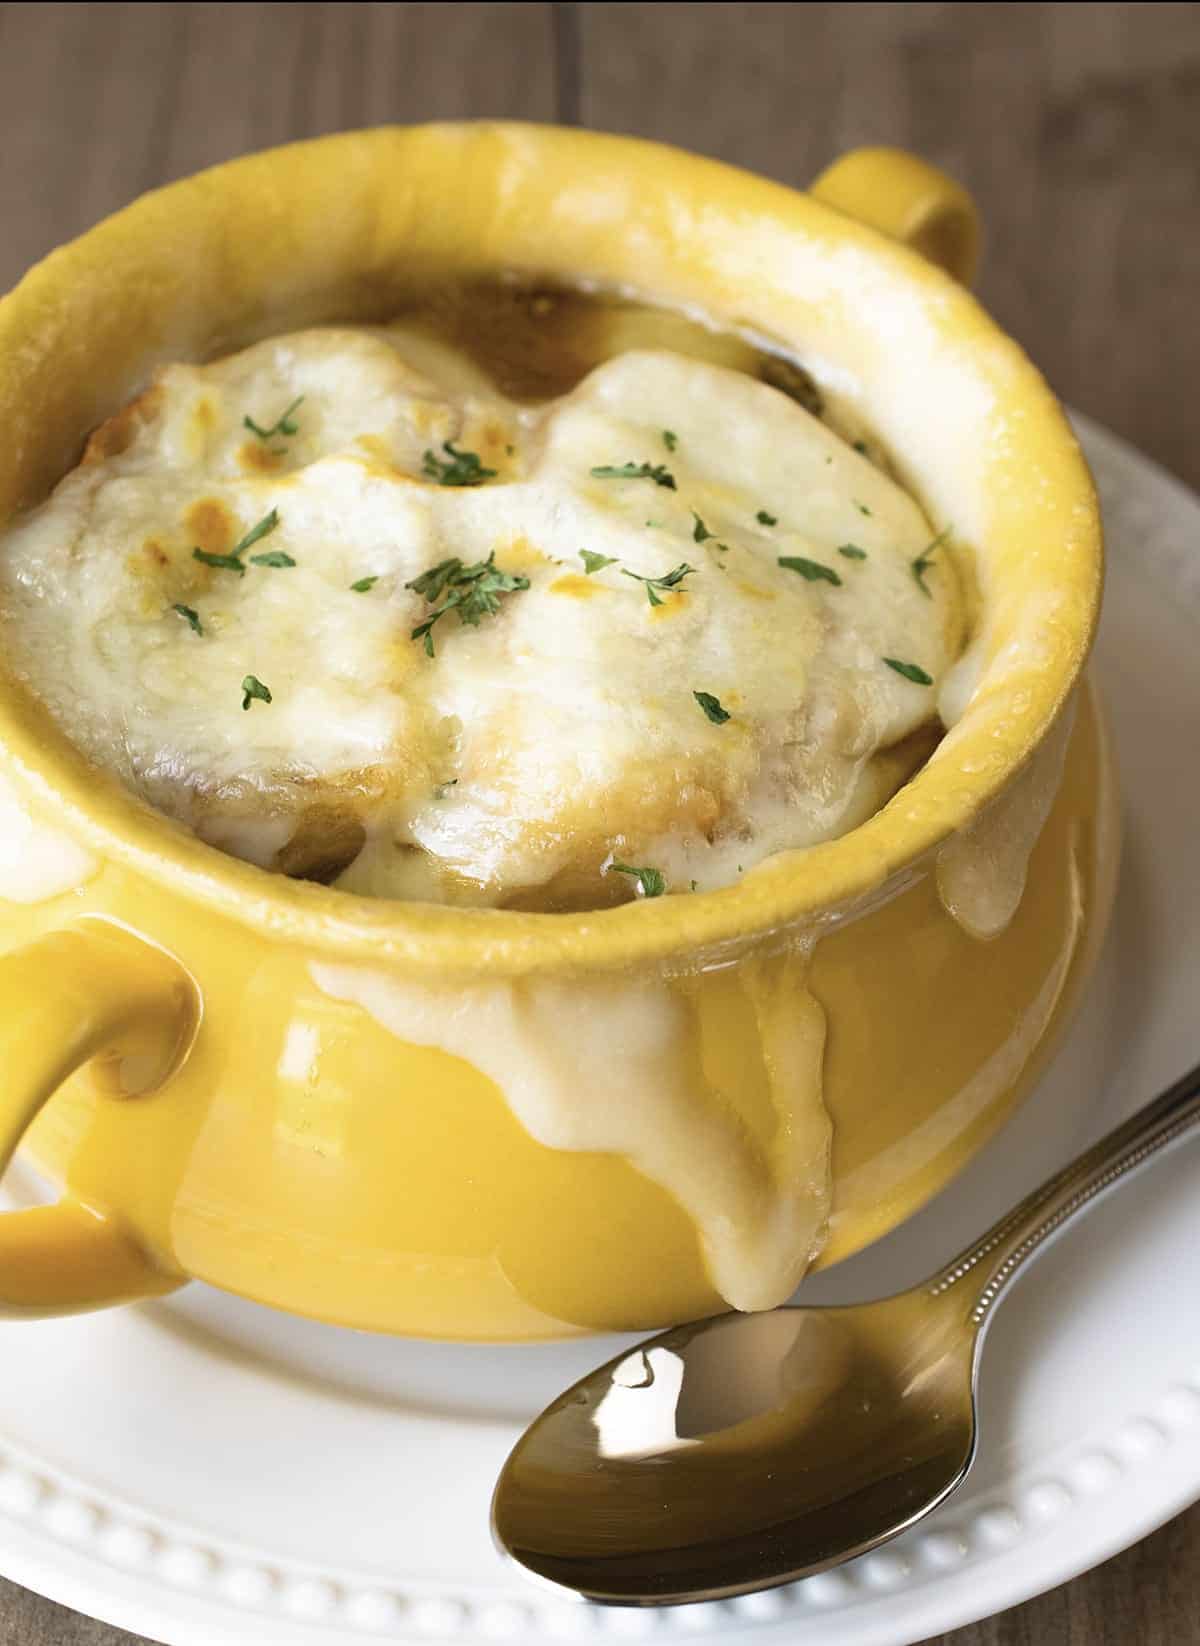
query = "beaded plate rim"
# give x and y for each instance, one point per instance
(108, 1536)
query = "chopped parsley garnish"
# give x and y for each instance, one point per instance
(695, 883)
(657, 472)
(713, 707)
(473, 591)
(765, 519)
(669, 581)
(852, 551)
(861, 507)
(910, 671)
(923, 561)
(670, 439)
(224, 562)
(364, 584)
(252, 687)
(192, 618)
(432, 582)
(595, 562)
(273, 557)
(812, 570)
(263, 529)
(860, 446)
(650, 881)
(232, 562)
(463, 468)
(441, 790)
(701, 534)
(285, 425)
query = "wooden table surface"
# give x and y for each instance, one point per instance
(1076, 126)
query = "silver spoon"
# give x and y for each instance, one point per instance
(750, 1450)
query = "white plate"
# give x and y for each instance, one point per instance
(211, 1473)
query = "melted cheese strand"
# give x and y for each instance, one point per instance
(610, 1067)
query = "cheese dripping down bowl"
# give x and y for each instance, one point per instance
(502, 1123)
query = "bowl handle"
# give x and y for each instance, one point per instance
(906, 197)
(92, 992)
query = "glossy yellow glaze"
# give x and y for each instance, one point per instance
(290, 1148)
(904, 196)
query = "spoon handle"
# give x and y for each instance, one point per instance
(982, 1272)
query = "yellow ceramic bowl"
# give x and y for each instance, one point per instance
(200, 1052)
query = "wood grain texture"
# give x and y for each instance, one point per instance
(100, 102)
(1076, 127)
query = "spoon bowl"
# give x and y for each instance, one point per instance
(745, 1451)
(790, 1440)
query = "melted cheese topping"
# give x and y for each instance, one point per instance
(562, 730)
(981, 871)
(612, 1067)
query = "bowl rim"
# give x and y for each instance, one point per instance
(790, 890)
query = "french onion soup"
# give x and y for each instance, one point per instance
(532, 599)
